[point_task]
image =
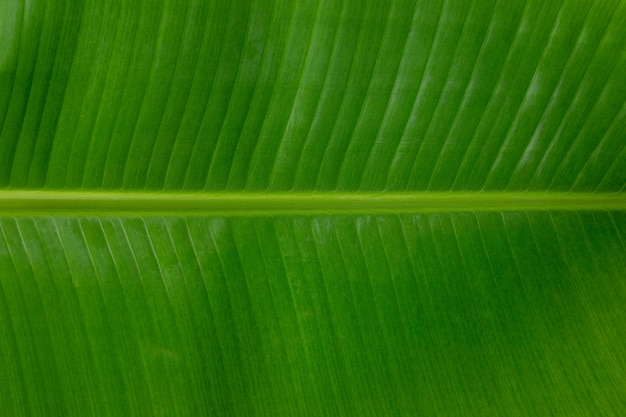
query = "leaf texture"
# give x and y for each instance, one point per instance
(456, 314)
(324, 208)
(317, 95)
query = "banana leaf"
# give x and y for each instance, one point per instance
(312, 208)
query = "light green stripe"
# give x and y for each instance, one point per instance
(145, 203)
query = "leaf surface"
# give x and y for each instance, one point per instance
(269, 207)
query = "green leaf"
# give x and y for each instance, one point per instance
(268, 207)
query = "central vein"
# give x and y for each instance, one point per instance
(245, 203)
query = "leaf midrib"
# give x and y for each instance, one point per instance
(23, 202)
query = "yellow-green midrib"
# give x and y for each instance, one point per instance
(14, 202)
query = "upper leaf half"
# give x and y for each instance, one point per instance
(313, 95)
